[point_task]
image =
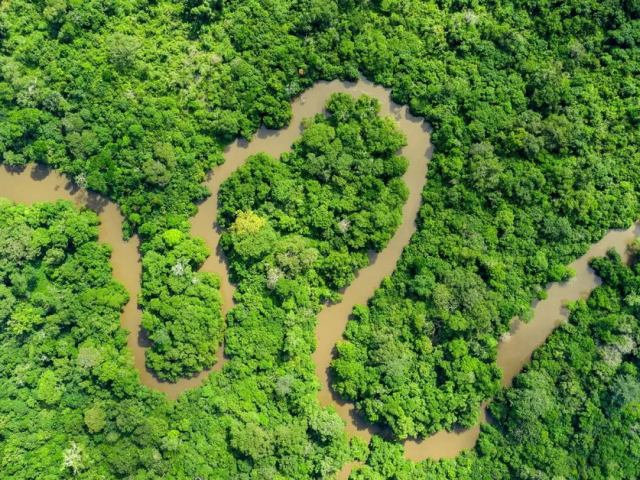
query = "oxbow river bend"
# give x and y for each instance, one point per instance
(37, 184)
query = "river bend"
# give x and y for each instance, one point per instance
(38, 184)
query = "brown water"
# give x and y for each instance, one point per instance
(515, 349)
(333, 319)
(37, 184)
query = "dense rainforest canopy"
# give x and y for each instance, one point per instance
(536, 114)
(265, 417)
(338, 193)
(182, 307)
(573, 413)
(71, 400)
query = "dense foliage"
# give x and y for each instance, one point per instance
(535, 108)
(535, 115)
(287, 259)
(339, 192)
(260, 414)
(182, 307)
(65, 372)
(573, 413)
(71, 402)
(136, 98)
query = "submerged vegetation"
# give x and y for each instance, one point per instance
(536, 113)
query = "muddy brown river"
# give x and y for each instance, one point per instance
(38, 184)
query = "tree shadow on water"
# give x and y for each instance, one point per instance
(92, 200)
(143, 338)
(14, 169)
(39, 172)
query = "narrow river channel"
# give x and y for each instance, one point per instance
(37, 184)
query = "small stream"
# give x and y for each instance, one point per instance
(35, 183)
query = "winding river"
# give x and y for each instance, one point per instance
(37, 184)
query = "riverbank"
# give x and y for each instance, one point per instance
(37, 184)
